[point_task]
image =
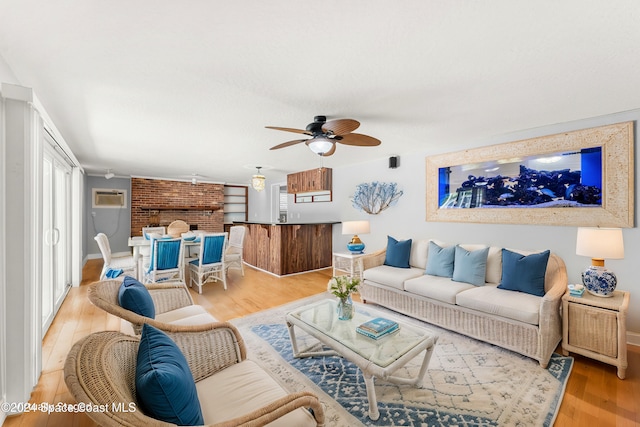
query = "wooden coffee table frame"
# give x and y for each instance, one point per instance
(369, 369)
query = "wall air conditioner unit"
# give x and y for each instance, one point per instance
(109, 198)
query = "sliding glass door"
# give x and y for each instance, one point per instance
(56, 252)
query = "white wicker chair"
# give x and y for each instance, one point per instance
(166, 262)
(210, 264)
(174, 307)
(126, 263)
(233, 255)
(153, 230)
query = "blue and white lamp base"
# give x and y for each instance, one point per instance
(599, 281)
(355, 248)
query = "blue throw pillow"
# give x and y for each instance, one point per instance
(164, 384)
(135, 296)
(440, 260)
(470, 266)
(524, 273)
(398, 253)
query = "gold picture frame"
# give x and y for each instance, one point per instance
(616, 206)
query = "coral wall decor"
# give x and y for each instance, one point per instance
(374, 197)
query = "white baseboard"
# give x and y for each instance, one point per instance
(633, 338)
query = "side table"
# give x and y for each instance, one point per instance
(596, 327)
(349, 263)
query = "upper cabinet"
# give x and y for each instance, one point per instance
(313, 180)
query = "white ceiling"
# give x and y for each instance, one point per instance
(173, 88)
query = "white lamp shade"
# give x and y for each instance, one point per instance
(320, 145)
(355, 227)
(600, 243)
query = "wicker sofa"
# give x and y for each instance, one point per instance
(527, 324)
(233, 391)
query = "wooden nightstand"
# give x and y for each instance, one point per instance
(596, 327)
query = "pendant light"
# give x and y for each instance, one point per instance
(257, 180)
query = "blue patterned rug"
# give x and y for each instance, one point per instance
(468, 383)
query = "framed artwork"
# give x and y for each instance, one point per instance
(579, 178)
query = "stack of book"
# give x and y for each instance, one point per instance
(377, 328)
(576, 290)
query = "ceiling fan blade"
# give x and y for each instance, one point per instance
(340, 126)
(288, 144)
(359, 139)
(290, 130)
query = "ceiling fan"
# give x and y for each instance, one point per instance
(324, 135)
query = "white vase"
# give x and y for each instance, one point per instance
(599, 281)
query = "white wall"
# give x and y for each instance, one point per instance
(115, 223)
(407, 218)
(6, 74)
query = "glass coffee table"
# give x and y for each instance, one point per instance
(376, 358)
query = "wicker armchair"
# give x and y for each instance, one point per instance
(100, 370)
(175, 310)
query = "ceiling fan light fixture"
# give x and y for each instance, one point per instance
(257, 180)
(320, 145)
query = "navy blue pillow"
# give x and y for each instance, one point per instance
(398, 253)
(440, 260)
(470, 266)
(524, 273)
(135, 296)
(164, 383)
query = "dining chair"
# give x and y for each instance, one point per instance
(166, 262)
(210, 264)
(233, 254)
(114, 265)
(177, 227)
(146, 231)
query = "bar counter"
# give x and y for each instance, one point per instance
(288, 248)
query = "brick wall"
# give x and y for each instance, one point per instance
(147, 193)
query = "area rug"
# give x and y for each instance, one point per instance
(468, 382)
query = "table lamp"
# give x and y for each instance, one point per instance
(355, 246)
(600, 244)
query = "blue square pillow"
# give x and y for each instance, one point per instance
(135, 296)
(164, 383)
(398, 253)
(470, 266)
(524, 273)
(440, 260)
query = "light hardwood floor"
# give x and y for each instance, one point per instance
(594, 395)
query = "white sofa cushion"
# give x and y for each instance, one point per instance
(391, 276)
(512, 305)
(439, 288)
(242, 388)
(418, 257)
(198, 319)
(182, 313)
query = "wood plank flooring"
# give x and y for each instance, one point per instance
(594, 395)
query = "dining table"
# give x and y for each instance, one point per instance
(139, 243)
